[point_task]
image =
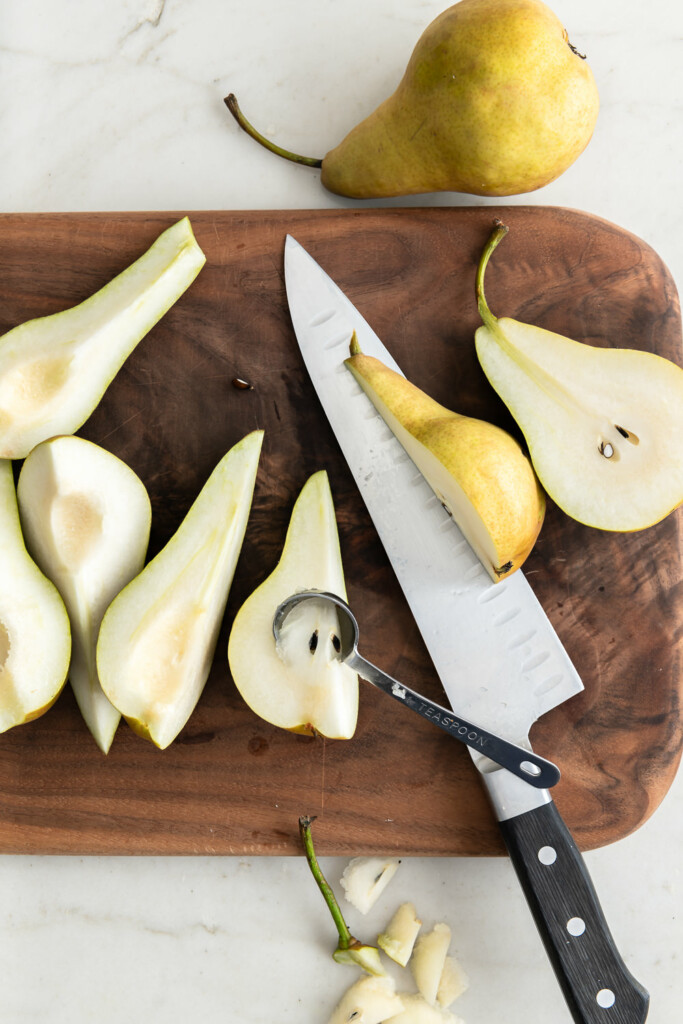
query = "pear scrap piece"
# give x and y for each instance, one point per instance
(398, 939)
(416, 1010)
(55, 369)
(35, 639)
(371, 1000)
(603, 425)
(453, 982)
(365, 879)
(428, 959)
(86, 518)
(158, 637)
(298, 684)
(477, 470)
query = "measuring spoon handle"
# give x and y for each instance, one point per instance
(527, 765)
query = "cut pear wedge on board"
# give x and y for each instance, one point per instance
(158, 637)
(603, 425)
(54, 370)
(86, 518)
(299, 683)
(35, 639)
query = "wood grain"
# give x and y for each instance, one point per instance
(231, 783)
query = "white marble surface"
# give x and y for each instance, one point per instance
(119, 107)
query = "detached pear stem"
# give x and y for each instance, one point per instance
(346, 939)
(234, 108)
(499, 232)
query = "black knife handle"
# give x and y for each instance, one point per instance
(594, 979)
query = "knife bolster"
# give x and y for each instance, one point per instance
(511, 795)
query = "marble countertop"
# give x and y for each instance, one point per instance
(119, 107)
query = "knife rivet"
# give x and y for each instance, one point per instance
(547, 855)
(576, 926)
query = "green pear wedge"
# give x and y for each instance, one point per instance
(158, 637)
(494, 101)
(603, 425)
(478, 471)
(54, 370)
(86, 518)
(35, 641)
(298, 684)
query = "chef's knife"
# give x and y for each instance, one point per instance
(496, 653)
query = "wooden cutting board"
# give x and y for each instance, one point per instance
(231, 784)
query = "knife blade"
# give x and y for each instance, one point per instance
(494, 649)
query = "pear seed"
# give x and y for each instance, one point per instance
(336, 643)
(606, 449)
(313, 642)
(242, 385)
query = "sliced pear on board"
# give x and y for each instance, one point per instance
(158, 637)
(86, 518)
(478, 471)
(54, 370)
(603, 425)
(35, 641)
(298, 684)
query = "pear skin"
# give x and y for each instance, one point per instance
(476, 469)
(494, 102)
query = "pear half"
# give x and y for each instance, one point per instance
(86, 518)
(54, 370)
(603, 425)
(35, 641)
(298, 684)
(158, 637)
(478, 471)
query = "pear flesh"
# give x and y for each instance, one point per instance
(398, 938)
(603, 425)
(86, 518)
(35, 640)
(416, 1010)
(494, 101)
(477, 470)
(428, 960)
(158, 637)
(371, 1000)
(365, 879)
(298, 684)
(55, 369)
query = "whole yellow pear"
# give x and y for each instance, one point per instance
(495, 101)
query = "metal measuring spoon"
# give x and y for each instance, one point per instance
(535, 770)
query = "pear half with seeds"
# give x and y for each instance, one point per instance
(158, 637)
(35, 640)
(298, 684)
(603, 425)
(86, 518)
(477, 470)
(55, 369)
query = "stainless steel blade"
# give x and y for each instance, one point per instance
(498, 657)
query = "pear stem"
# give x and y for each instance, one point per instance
(499, 232)
(346, 939)
(233, 106)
